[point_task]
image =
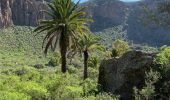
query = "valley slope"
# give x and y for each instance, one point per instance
(106, 14)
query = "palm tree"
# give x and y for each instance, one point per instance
(67, 23)
(87, 44)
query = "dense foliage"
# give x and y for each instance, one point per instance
(67, 24)
(25, 74)
(157, 78)
(21, 80)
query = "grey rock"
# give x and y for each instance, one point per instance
(21, 12)
(5, 13)
(39, 66)
(120, 75)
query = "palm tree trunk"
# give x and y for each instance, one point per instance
(63, 50)
(86, 56)
(63, 59)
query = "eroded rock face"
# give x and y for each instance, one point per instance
(121, 75)
(21, 12)
(28, 12)
(1, 19)
(6, 13)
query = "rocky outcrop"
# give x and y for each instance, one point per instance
(6, 13)
(122, 74)
(28, 12)
(106, 13)
(1, 25)
(110, 13)
(21, 12)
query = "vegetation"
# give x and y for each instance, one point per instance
(19, 80)
(157, 78)
(67, 23)
(87, 44)
(120, 47)
(26, 74)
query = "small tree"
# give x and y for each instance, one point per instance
(87, 44)
(119, 47)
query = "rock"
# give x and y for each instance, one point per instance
(30, 11)
(120, 75)
(38, 66)
(1, 20)
(20, 72)
(21, 12)
(6, 13)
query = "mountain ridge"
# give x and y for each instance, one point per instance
(106, 14)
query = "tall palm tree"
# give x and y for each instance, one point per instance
(67, 23)
(87, 44)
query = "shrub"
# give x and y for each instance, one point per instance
(106, 96)
(158, 78)
(7, 83)
(114, 53)
(55, 60)
(28, 73)
(148, 92)
(7, 95)
(33, 89)
(120, 46)
(89, 87)
(93, 61)
(163, 59)
(93, 73)
(72, 69)
(64, 86)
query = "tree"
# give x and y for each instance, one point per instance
(67, 23)
(87, 44)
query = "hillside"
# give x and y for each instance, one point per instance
(106, 14)
(126, 58)
(18, 45)
(110, 13)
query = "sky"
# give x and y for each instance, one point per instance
(120, 0)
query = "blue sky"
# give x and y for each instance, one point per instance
(121, 0)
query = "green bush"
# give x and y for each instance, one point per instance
(157, 79)
(120, 47)
(63, 87)
(163, 59)
(7, 95)
(148, 92)
(93, 61)
(93, 73)
(89, 87)
(114, 53)
(33, 89)
(27, 73)
(54, 60)
(20, 49)
(72, 69)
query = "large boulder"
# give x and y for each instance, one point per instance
(120, 75)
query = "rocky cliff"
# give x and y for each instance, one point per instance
(106, 14)
(120, 75)
(28, 12)
(21, 12)
(110, 13)
(6, 13)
